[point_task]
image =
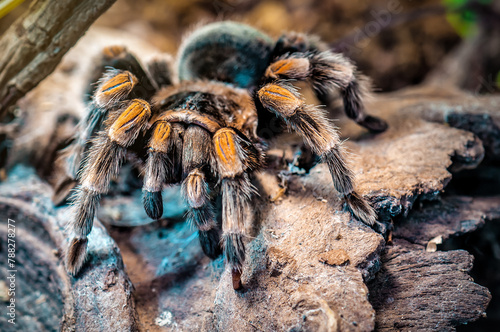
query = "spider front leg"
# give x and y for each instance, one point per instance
(311, 123)
(114, 87)
(120, 59)
(329, 71)
(117, 76)
(103, 163)
(234, 157)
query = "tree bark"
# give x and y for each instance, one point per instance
(36, 42)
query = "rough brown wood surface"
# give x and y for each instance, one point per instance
(414, 158)
(450, 216)
(414, 285)
(34, 45)
(423, 291)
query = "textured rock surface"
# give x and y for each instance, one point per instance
(100, 298)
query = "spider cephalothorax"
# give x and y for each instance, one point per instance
(200, 129)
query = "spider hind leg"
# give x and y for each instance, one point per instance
(301, 57)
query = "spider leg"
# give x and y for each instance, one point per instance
(233, 158)
(196, 155)
(162, 164)
(120, 59)
(321, 135)
(328, 72)
(115, 86)
(102, 163)
(117, 76)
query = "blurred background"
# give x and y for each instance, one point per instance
(396, 42)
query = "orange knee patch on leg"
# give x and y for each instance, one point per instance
(226, 151)
(125, 129)
(297, 68)
(279, 99)
(115, 88)
(159, 140)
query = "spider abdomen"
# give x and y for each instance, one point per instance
(227, 52)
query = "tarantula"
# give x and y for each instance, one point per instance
(200, 128)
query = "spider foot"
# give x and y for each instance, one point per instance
(360, 208)
(153, 204)
(210, 243)
(236, 275)
(373, 124)
(76, 254)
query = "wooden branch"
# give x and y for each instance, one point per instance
(34, 45)
(417, 290)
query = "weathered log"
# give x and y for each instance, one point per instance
(425, 291)
(450, 216)
(35, 44)
(415, 281)
(47, 298)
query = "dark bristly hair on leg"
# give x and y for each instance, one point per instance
(210, 242)
(85, 205)
(234, 248)
(76, 254)
(321, 136)
(153, 204)
(360, 208)
(204, 219)
(342, 176)
(353, 105)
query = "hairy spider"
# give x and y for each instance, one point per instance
(200, 128)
